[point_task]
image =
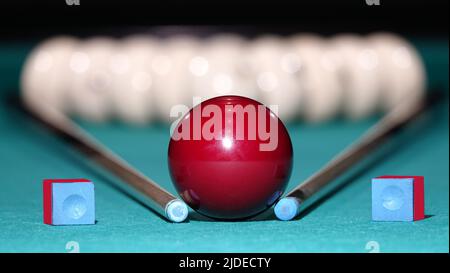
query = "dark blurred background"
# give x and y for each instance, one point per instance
(22, 19)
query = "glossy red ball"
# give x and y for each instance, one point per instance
(228, 161)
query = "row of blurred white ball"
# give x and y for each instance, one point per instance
(139, 79)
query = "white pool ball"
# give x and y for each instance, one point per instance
(133, 79)
(275, 67)
(172, 83)
(91, 88)
(403, 77)
(319, 79)
(219, 69)
(359, 74)
(45, 76)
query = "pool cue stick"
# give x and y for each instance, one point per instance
(162, 201)
(288, 207)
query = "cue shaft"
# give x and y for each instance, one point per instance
(374, 137)
(80, 140)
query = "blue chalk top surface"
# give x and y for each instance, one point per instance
(392, 199)
(73, 203)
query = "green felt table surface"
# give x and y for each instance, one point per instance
(338, 222)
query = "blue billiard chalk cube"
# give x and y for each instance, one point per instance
(397, 198)
(69, 202)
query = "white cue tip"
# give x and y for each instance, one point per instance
(176, 211)
(287, 208)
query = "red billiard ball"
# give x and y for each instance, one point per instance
(230, 157)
